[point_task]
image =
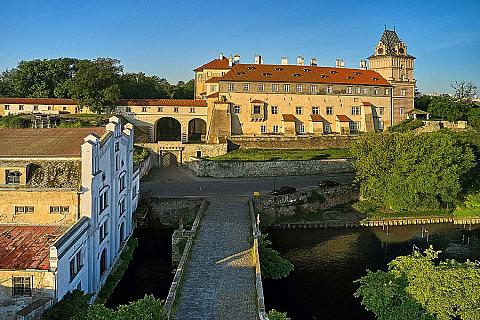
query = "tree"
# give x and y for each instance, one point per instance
(447, 108)
(272, 264)
(96, 83)
(415, 287)
(277, 315)
(73, 303)
(473, 117)
(405, 171)
(141, 86)
(464, 90)
(183, 90)
(422, 102)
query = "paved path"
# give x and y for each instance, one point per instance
(219, 281)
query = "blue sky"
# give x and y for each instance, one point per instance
(170, 38)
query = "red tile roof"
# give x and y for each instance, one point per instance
(257, 101)
(162, 102)
(288, 117)
(303, 74)
(215, 64)
(366, 103)
(27, 247)
(213, 95)
(343, 118)
(38, 101)
(55, 142)
(213, 80)
(317, 118)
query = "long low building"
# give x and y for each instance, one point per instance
(67, 198)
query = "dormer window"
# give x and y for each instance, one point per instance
(375, 79)
(296, 74)
(333, 71)
(13, 177)
(323, 76)
(251, 68)
(357, 73)
(307, 70)
(279, 69)
(266, 74)
(349, 77)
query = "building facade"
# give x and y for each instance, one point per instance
(67, 197)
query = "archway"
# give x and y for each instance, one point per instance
(168, 129)
(103, 262)
(197, 129)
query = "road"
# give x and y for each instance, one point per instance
(174, 182)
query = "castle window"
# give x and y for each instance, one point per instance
(286, 88)
(349, 89)
(122, 206)
(103, 201)
(358, 90)
(299, 88)
(22, 286)
(274, 87)
(144, 109)
(329, 89)
(20, 107)
(261, 87)
(365, 91)
(387, 91)
(275, 129)
(13, 177)
(192, 110)
(401, 111)
(315, 110)
(75, 265)
(298, 110)
(7, 107)
(231, 87)
(375, 91)
(355, 111)
(122, 183)
(263, 129)
(381, 111)
(176, 109)
(329, 110)
(59, 209)
(274, 110)
(35, 108)
(24, 209)
(236, 109)
(102, 233)
(160, 109)
(128, 109)
(313, 88)
(246, 87)
(403, 92)
(256, 109)
(301, 128)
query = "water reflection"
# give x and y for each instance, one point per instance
(328, 260)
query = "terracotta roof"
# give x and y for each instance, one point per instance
(215, 64)
(63, 142)
(213, 80)
(366, 103)
(317, 118)
(288, 117)
(38, 101)
(343, 118)
(27, 247)
(303, 74)
(162, 102)
(213, 95)
(257, 101)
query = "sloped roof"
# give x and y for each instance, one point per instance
(366, 103)
(303, 74)
(162, 102)
(343, 118)
(257, 101)
(288, 117)
(390, 39)
(54, 142)
(27, 247)
(38, 101)
(215, 64)
(317, 118)
(213, 95)
(213, 80)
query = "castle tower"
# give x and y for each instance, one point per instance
(393, 62)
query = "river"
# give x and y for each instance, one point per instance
(327, 261)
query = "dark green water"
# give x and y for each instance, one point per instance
(327, 261)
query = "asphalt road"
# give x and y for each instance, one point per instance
(169, 182)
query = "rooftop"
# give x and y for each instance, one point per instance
(162, 102)
(38, 101)
(27, 247)
(215, 64)
(54, 142)
(303, 74)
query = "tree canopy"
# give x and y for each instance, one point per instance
(272, 264)
(97, 83)
(405, 171)
(416, 287)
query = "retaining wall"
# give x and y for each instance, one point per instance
(292, 142)
(235, 169)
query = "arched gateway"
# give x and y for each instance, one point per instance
(168, 129)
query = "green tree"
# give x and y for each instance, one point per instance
(272, 264)
(183, 90)
(422, 102)
(415, 287)
(447, 108)
(141, 86)
(473, 117)
(73, 303)
(277, 315)
(405, 171)
(465, 90)
(96, 83)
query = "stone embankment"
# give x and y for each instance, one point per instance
(236, 169)
(292, 142)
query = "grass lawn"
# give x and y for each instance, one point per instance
(275, 154)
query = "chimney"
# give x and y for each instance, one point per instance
(284, 61)
(236, 59)
(221, 56)
(313, 62)
(339, 63)
(363, 64)
(230, 61)
(300, 61)
(258, 59)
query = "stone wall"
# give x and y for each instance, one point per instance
(234, 169)
(172, 212)
(435, 125)
(184, 152)
(292, 142)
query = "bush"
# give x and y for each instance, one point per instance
(139, 153)
(406, 125)
(473, 117)
(272, 264)
(73, 303)
(277, 315)
(13, 121)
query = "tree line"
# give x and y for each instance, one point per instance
(97, 83)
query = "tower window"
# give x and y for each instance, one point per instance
(403, 92)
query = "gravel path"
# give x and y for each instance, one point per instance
(220, 277)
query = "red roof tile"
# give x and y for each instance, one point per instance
(343, 118)
(366, 103)
(317, 118)
(215, 64)
(213, 80)
(27, 247)
(303, 74)
(54, 142)
(162, 102)
(288, 117)
(257, 101)
(213, 95)
(38, 101)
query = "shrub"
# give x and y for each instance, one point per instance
(73, 303)
(277, 315)
(406, 125)
(272, 264)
